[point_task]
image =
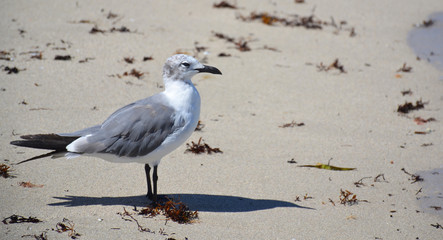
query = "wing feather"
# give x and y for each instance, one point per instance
(134, 130)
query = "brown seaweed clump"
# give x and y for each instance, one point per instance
(175, 211)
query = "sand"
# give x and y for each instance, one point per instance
(250, 191)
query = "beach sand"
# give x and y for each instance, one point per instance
(250, 191)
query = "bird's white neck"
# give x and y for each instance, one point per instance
(182, 95)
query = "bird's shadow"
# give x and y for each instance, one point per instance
(200, 202)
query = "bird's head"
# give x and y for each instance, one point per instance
(183, 67)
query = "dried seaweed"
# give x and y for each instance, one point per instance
(63, 57)
(425, 23)
(199, 127)
(379, 178)
(95, 30)
(201, 147)
(121, 29)
(427, 131)
(240, 44)
(199, 48)
(224, 54)
(111, 15)
(408, 106)
(306, 197)
(406, 92)
(349, 198)
(20, 219)
(10, 70)
(128, 217)
(67, 225)
(147, 58)
(414, 178)
(360, 183)
(5, 55)
(42, 236)
(84, 21)
(333, 65)
(436, 208)
(404, 68)
(129, 60)
(21, 32)
(266, 47)
(352, 33)
(291, 124)
(5, 171)
(292, 161)
(30, 185)
(426, 144)
(437, 226)
(85, 60)
(59, 48)
(175, 211)
(421, 121)
(224, 4)
(223, 36)
(133, 72)
(308, 22)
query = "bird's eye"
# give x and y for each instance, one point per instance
(186, 64)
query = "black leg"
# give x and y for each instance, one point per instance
(148, 181)
(155, 178)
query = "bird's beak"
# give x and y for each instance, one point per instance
(209, 69)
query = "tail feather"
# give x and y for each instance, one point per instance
(45, 141)
(53, 154)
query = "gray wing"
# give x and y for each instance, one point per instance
(134, 130)
(94, 129)
(83, 132)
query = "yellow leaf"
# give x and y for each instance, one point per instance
(328, 167)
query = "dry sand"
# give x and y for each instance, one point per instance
(250, 190)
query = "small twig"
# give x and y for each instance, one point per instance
(419, 191)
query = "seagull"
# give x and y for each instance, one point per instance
(144, 131)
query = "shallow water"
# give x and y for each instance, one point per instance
(427, 42)
(431, 194)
